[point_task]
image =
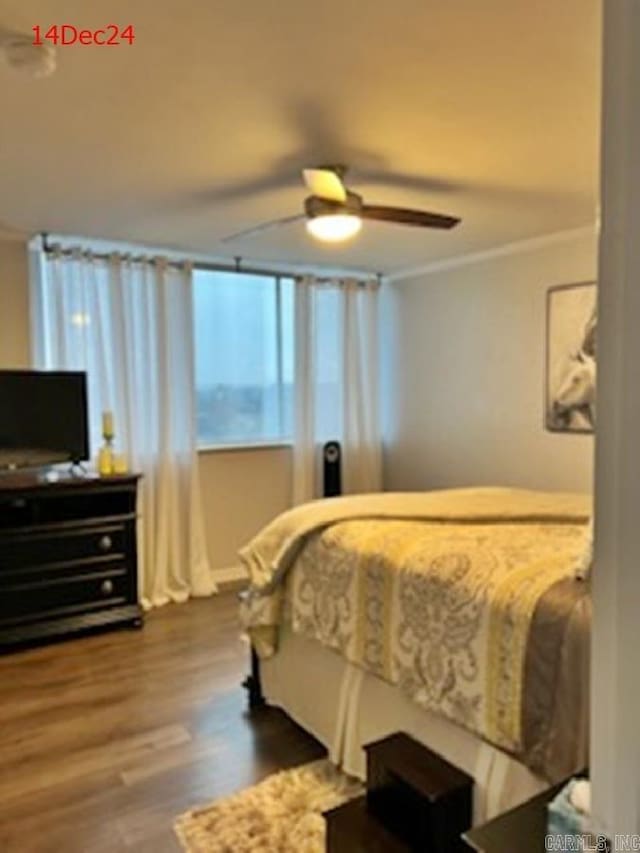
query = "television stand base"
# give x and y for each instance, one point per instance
(78, 469)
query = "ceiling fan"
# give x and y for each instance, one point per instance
(333, 213)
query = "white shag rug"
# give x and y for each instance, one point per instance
(281, 814)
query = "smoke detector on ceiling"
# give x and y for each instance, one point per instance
(27, 58)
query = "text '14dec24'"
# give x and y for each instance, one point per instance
(65, 35)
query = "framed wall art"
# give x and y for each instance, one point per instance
(570, 385)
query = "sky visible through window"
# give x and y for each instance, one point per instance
(244, 357)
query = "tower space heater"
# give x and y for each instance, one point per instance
(331, 469)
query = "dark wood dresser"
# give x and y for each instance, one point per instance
(68, 558)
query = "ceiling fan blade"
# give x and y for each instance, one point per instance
(405, 216)
(265, 226)
(325, 184)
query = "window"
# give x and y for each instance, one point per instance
(244, 358)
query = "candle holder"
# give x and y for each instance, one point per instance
(105, 456)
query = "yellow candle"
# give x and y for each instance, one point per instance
(107, 424)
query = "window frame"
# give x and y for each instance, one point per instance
(249, 446)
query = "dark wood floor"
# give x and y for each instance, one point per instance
(105, 740)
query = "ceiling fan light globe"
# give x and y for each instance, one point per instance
(334, 227)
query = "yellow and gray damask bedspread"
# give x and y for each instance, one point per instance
(464, 599)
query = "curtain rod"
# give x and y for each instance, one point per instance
(237, 267)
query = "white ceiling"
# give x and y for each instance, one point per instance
(486, 109)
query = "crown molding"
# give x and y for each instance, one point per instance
(516, 248)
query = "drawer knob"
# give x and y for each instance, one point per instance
(105, 543)
(106, 587)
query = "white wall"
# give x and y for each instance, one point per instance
(14, 305)
(463, 366)
(241, 490)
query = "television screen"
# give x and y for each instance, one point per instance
(43, 418)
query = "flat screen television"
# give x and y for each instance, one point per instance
(43, 418)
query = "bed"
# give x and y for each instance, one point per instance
(455, 616)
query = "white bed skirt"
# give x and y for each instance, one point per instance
(346, 708)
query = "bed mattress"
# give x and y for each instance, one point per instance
(465, 601)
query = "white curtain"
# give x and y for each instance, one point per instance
(336, 389)
(129, 324)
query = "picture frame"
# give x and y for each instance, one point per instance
(570, 358)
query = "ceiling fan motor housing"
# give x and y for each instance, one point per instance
(315, 206)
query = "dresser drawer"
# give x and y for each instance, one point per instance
(47, 548)
(93, 502)
(36, 598)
